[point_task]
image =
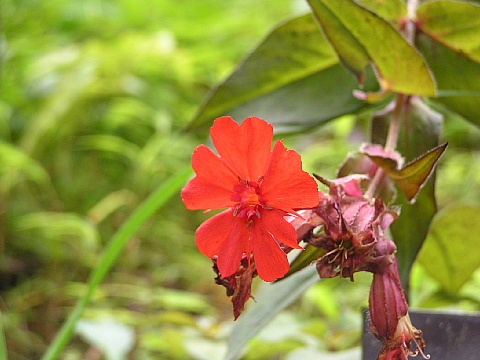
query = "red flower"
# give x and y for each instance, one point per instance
(258, 186)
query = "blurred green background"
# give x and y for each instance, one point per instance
(94, 95)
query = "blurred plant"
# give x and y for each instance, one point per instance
(94, 109)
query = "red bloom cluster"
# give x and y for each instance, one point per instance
(354, 238)
(262, 190)
(258, 186)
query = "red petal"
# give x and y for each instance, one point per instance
(246, 148)
(286, 186)
(270, 260)
(273, 221)
(214, 232)
(213, 185)
(237, 243)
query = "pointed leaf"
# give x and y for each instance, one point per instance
(304, 259)
(271, 299)
(454, 24)
(293, 78)
(411, 178)
(451, 253)
(395, 59)
(308, 102)
(291, 52)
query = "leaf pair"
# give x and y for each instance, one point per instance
(296, 80)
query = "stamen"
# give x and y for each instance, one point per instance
(236, 210)
(418, 335)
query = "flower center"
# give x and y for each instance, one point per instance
(250, 196)
(247, 196)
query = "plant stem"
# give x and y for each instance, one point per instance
(394, 128)
(398, 112)
(412, 6)
(390, 143)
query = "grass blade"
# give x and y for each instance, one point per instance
(3, 343)
(114, 248)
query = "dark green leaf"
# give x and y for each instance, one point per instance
(451, 253)
(291, 52)
(305, 103)
(270, 300)
(351, 52)
(293, 79)
(420, 132)
(454, 24)
(396, 60)
(457, 76)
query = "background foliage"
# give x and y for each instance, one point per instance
(95, 97)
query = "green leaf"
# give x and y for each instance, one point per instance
(354, 32)
(306, 103)
(293, 78)
(420, 132)
(454, 24)
(17, 165)
(304, 258)
(394, 11)
(450, 253)
(351, 52)
(457, 76)
(3, 342)
(65, 236)
(271, 299)
(110, 143)
(411, 178)
(112, 252)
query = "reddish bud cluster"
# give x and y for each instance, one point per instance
(353, 231)
(272, 205)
